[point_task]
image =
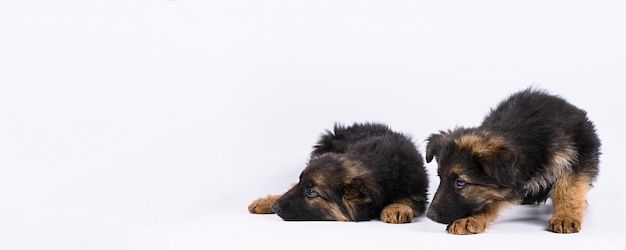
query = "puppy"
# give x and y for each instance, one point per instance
(356, 173)
(532, 146)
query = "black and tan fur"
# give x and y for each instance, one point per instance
(532, 147)
(356, 173)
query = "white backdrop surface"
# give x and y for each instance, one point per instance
(153, 124)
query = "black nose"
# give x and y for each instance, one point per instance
(276, 208)
(432, 215)
(442, 218)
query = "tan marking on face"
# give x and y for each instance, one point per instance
(331, 210)
(484, 146)
(318, 178)
(353, 169)
(484, 194)
(457, 170)
(569, 202)
(478, 193)
(469, 141)
(351, 200)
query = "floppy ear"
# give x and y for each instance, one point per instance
(498, 162)
(433, 148)
(355, 191)
(355, 195)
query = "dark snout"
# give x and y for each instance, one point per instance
(289, 208)
(447, 206)
(276, 208)
(438, 211)
(281, 208)
(439, 216)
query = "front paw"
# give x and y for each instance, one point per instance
(469, 225)
(396, 214)
(262, 205)
(564, 225)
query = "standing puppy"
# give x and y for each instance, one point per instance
(356, 173)
(531, 147)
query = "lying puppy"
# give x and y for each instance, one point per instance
(356, 173)
(531, 147)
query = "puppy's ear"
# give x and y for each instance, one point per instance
(355, 191)
(497, 161)
(356, 194)
(435, 141)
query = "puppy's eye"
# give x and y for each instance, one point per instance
(311, 193)
(460, 184)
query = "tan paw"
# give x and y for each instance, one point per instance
(396, 214)
(564, 225)
(469, 225)
(262, 205)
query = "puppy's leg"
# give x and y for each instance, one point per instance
(263, 205)
(569, 203)
(400, 211)
(478, 222)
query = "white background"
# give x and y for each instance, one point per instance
(153, 124)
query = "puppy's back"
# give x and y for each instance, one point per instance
(535, 111)
(338, 140)
(546, 129)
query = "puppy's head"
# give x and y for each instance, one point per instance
(474, 170)
(331, 187)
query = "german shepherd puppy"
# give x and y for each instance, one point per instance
(532, 146)
(356, 173)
